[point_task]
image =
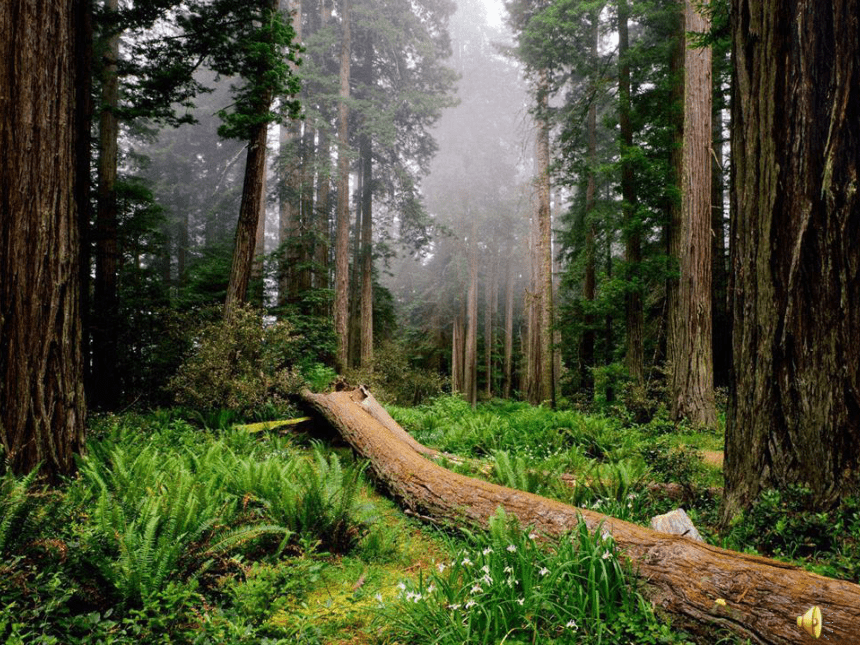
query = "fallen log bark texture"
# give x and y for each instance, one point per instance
(762, 597)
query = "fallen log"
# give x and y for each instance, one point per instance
(702, 586)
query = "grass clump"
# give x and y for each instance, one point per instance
(509, 587)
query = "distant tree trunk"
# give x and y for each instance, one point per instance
(249, 215)
(305, 237)
(632, 237)
(586, 349)
(341, 252)
(546, 390)
(608, 331)
(288, 180)
(105, 324)
(490, 304)
(692, 386)
(41, 370)
(794, 411)
(251, 204)
(721, 332)
(532, 306)
(322, 229)
(470, 376)
(83, 161)
(509, 330)
(367, 256)
(457, 342)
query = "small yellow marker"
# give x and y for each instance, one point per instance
(721, 602)
(811, 622)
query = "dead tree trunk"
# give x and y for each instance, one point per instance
(686, 578)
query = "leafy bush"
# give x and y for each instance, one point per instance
(393, 379)
(239, 364)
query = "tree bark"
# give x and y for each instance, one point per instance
(794, 412)
(105, 384)
(457, 364)
(546, 388)
(634, 360)
(692, 386)
(41, 369)
(249, 216)
(341, 245)
(684, 577)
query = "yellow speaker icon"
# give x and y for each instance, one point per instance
(810, 622)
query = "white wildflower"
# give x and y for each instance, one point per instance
(476, 589)
(401, 585)
(543, 571)
(520, 601)
(470, 604)
(441, 566)
(533, 536)
(486, 579)
(487, 551)
(486, 568)
(466, 562)
(571, 624)
(508, 570)
(512, 548)
(606, 555)
(431, 588)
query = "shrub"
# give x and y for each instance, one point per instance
(239, 364)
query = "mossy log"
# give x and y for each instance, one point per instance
(759, 598)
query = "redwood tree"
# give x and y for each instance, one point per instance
(41, 370)
(794, 412)
(692, 383)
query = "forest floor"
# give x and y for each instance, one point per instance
(94, 563)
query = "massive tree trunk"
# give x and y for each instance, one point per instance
(635, 355)
(762, 597)
(794, 414)
(105, 330)
(692, 385)
(341, 244)
(41, 370)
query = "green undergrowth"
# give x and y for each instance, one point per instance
(177, 533)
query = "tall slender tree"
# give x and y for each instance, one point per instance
(692, 386)
(635, 358)
(41, 370)
(263, 66)
(341, 245)
(793, 411)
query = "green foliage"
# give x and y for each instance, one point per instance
(393, 379)
(787, 524)
(674, 463)
(239, 364)
(18, 510)
(508, 587)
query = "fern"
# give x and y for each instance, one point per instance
(16, 509)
